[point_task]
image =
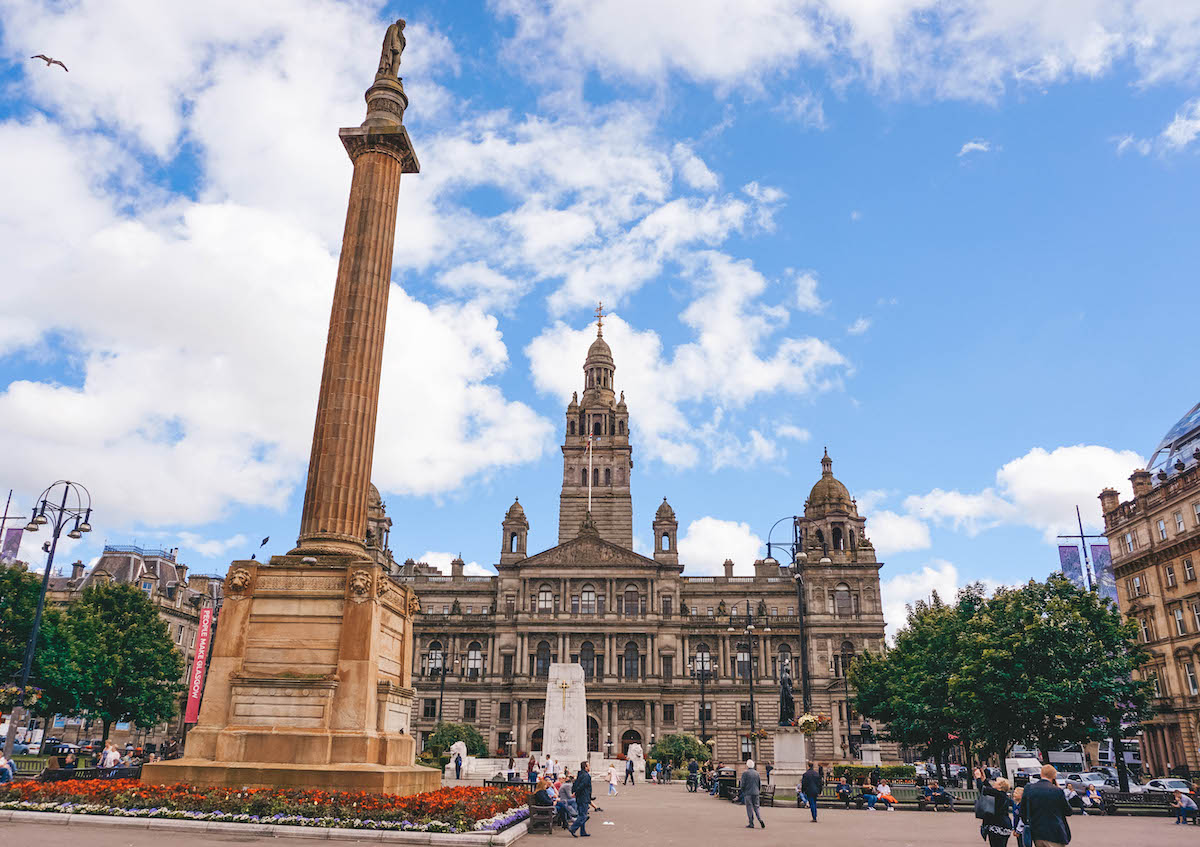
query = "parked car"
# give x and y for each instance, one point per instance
(20, 748)
(1081, 781)
(1111, 783)
(922, 770)
(92, 747)
(1025, 775)
(1169, 784)
(60, 749)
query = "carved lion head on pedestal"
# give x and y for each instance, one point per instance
(238, 581)
(360, 586)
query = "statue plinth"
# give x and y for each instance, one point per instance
(386, 101)
(309, 684)
(791, 756)
(564, 727)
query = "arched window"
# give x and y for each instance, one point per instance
(845, 657)
(784, 660)
(666, 542)
(596, 427)
(631, 661)
(837, 538)
(587, 658)
(542, 665)
(512, 543)
(474, 660)
(545, 599)
(851, 540)
(841, 601)
(608, 476)
(703, 658)
(596, 474)
(587, 600)
(583, 477)
(820, 538)
(572, 427)
(620, 427)
(631, 601)
(435, 658)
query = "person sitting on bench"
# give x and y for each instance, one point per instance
(844, 791)
(938, 796)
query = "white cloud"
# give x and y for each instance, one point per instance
(692, 168)
(904, 589)
(807, 299)
(950, 48)
(735, 357)
(979, 145)
(859, 327)
(794, 432)
(1184, 128)
(856, 215)
(870, 499)
(210, 548)
(893, 533)
(442, 561)
(708, 542)
(1138, 145)
(1040, 490)
(806, 108)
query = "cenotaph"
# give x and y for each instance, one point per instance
(564, 730)
(310, 682)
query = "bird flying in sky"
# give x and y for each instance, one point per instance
(50, 61)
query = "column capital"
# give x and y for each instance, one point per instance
(390, 140)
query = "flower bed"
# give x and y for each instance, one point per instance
(453, 810)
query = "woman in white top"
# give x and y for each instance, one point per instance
(612, 779)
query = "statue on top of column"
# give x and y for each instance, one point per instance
(393, 45)
(787, 703)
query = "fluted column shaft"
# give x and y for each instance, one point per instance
(334, 518)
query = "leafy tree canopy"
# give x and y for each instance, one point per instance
(447, 733)
(18, 601)
(680, 748)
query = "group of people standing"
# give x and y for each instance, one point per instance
(1037, 813)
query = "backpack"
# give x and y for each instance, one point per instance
(985, 806)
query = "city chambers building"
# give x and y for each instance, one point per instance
(662, 652)
(1155, 542)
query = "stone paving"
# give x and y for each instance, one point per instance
(668, 815)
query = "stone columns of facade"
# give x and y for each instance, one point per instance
(334, 517)
(519, 705)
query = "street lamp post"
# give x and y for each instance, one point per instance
(799, 560)
(442, 688)
(751, 643)
(702, 673)
(846, 658)
(75, 505)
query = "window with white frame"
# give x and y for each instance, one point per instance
(1155, 684)
(545, 599)
(1189, 571)
(1178, 522)
(1144, 626)
(1196, 615)
(1170, 576)
(1196, 512)
(1137, 586)
(1189, 672)
(1162, 530)
(1180, 626)
(1129, 542)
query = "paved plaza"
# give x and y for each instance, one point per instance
(668, 815)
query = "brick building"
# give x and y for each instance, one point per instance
(1155, 541)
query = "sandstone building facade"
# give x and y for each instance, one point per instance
(1155, 542)
(642, 630)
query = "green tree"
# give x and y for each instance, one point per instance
(18, 601)
(680, 748)
(908, 688)
(129, 667)
(447, 733)
(1051, 663)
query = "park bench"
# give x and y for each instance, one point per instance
(541, 819)
(767, 796)
(61, 774)
(1144, 802)
(499, 781)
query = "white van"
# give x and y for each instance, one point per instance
(1028, 767)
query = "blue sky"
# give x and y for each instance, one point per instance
(954, 242)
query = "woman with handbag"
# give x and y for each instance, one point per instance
(993, 808)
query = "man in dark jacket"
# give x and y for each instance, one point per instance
(1045, 811)
(583, 800)
(810, 787)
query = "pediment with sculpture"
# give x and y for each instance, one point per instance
(588, 550)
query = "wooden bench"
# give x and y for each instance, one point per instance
(504, 783)
(541, 819)
(767, 796)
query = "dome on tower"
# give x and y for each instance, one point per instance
(829, 494)
(599, 352)
(515, 511)
(1179, 448)
(665, 512)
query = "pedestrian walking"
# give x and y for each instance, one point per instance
(751, 789)
(996, 827)
(810, 785)
(1044, 811)
(583, 800)
(629, 773)
(458, 766)
(532, 770)
(612, 780)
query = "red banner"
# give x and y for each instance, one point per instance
(200, 663)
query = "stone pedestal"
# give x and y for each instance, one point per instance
(564, 730)
(791, 756)
(309, 683)
(870, 754)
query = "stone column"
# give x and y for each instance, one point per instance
(334, 517)
(520, 706)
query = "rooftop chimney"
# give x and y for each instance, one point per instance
(77, 570)
(728, 568)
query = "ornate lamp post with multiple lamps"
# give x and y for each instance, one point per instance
(72, 508)
(751, 643)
